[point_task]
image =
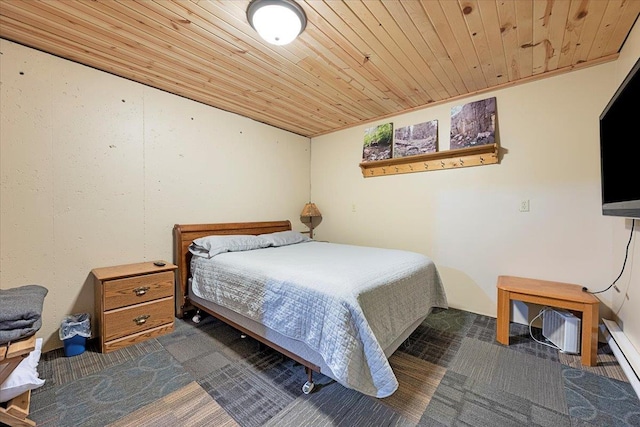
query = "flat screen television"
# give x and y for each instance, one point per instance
(620, 149)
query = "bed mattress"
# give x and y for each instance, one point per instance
(346, 303)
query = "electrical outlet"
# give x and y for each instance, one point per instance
(524, 205)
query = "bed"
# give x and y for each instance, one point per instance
(340, 310)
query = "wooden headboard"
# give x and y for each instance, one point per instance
(184, 234)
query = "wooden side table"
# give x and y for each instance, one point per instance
(553, 294)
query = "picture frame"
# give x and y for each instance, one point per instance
(473, 124)
(378, 143)
(421, 138)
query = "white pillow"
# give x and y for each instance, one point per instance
(211, 246)
(283, 238)
(24, 377)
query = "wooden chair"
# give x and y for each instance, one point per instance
(16, 411)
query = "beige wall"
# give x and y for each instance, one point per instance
(468, 220)
(97, 169)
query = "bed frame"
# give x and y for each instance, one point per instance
(183, 235)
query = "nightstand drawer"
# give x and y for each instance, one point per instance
(130, 320)
(137, 289)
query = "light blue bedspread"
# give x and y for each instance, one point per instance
(346, 302)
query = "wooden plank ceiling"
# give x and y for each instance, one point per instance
(357, 61)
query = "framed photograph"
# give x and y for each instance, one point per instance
(378, 143)
(416, 139)
(473, 124)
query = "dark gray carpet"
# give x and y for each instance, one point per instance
(595, 400)
(451, 372)
(337, 406)
(461, 400)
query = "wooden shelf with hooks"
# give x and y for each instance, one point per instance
(449, 159)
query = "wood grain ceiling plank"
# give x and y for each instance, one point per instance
(462, 35)
(381, 69)
(594, 12)
(444, 84)
(549, 22)
(162, 66)
(369, 105)
(475, 25)
(541, 48)
(607, 26)
(177, 55)
(509, 35)
(61, 46)
(490, 21)
(518, 82)
(353, 83)
(401, 84)
(133, 45)
(221, 16)
(524, 24)
(328, 42)
(404, 51)
(354, 77)
(66, 31)
(445, 35)
(558, 23)
(357, 74)
(53, 44)
(222, 62)
(81, 36)
(628, 17)
(575, 23)
(382, 44)
(434, 45)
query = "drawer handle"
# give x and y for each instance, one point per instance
(141, 320)
(141, 290)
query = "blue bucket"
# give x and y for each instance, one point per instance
(74, 345)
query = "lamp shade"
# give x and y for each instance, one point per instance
(310, 210)
(278, 22)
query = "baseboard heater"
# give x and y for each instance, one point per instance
(562, 328)
(626, 354)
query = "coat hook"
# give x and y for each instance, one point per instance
(481, 160)
(410, 167)
(461, 162)
(426, 166)
(384, 170)
(396, 169)
(442, 164)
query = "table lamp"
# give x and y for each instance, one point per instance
(310, 211)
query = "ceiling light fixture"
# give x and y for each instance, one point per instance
(278, 22)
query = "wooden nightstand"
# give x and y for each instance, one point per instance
(133, 303)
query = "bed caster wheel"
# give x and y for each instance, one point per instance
(197, 317)
(307, 387)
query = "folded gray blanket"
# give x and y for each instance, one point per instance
(21, 311)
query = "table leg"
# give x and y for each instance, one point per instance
(590, 335)
(504, 317)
